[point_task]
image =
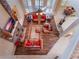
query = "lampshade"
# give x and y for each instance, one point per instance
(41, 13)
(36, 13)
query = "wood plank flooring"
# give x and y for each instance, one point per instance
(48, 42)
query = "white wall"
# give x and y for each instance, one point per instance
(20, 12)
(68, 22)
(71, 47)
(6, 48)
(4, 17)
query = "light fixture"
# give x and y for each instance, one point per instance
(26, 13)
(36, 13)
(41, 13)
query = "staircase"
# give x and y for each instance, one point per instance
(75, 54)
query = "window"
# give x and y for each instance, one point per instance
(38, 3)
(49, 3)
(29, 5)
(41, 3)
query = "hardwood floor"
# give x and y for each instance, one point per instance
(48, 41)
